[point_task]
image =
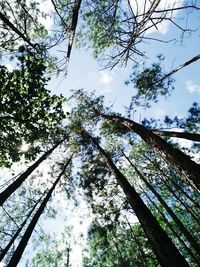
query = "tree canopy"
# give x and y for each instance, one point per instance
(137, 180)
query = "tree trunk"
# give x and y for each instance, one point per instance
(172, 229)
(184, 135)
(176, 158)
(11, 242)
(75, 15)
(157, 166)
(189, 210)
(166, 252)
(140, 249)
(14, 186)
(23, 243)
(179, 224)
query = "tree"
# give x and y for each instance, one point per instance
(22, 245)
(160, 191)
(177, 159)
(14, 186)
(151, 227)
(27, 110)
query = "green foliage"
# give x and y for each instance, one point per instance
(27, 110)
(115, 246)
(100, 24)
(149, 83)
(24, 16)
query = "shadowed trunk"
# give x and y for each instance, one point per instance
(11, 242)
(177, 159)
(23, 243)
(182, 242)
(188, 136)
(12, 187)
(167, 254)
(176, 185)
(179, 224)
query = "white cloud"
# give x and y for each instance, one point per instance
(105, 77)
(192, 87)
(159, 113)
(47, 8)
(10, 68)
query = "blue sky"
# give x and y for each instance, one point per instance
(85, 72)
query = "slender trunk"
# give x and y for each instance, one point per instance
(14, 186)
(176, 158)
(75, 15)
(172, 229)
(137, 242)
(68, 257)
(18, 32)
(11, 242)
(189, 210)
(192, 60)
(23, 243)
(166, 252)
(157, 166)
(179, 224)
(184, 135)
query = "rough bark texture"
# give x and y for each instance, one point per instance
(166, 252)
(177, 159)
(23, 243)
(11, 188)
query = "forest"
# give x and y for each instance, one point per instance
(85, 182)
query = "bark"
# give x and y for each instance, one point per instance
(18, 32)
(75, 14)
(177, 186)
(179, 224)
(23, 243)
(172, 230)
(11, 242)
(192, 60)
(184, 135)
(166, 252)
(182, 163)
(14, 186)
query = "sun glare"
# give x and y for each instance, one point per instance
(24, 147)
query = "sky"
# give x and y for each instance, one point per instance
(85, 72)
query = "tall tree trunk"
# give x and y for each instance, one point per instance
(140, 249)
(176, 158)
(179, 224)
(14, 186)
(183, 243)
(11, 242)
(189, 210)
(166, 252)
(184, 135)
(176, 185)
(23, 243)
(75, 15)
